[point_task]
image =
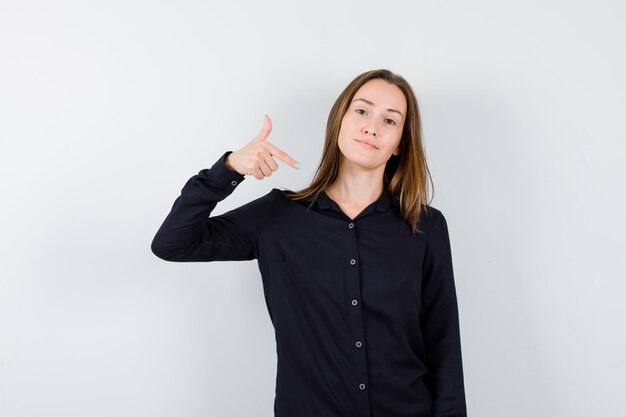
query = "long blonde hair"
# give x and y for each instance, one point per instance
(406, 175)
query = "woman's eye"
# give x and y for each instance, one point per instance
(393, 122)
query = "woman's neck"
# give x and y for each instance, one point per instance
(355, 186)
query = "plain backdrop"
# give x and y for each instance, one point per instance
(107, 108)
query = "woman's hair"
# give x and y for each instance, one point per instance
(406, 174)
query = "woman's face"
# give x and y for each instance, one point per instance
(371, 118)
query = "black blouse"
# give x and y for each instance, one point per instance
(365, 313)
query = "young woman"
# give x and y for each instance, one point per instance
(356, 268)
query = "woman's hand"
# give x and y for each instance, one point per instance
(256, 158)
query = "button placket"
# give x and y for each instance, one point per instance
(356, 324)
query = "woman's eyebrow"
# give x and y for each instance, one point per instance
(371, 104)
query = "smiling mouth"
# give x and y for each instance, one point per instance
(366, 144)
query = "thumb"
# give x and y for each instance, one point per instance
(266, 129)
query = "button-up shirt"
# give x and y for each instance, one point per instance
(365, 312)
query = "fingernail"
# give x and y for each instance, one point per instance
(298, 165)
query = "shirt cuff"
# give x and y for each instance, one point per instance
(222, 176)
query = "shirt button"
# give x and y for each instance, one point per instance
(358, 343)
(361, 387)
(354, 302)
(351, 225)
(233, 183)
(352, 261)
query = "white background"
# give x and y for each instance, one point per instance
(107, 108)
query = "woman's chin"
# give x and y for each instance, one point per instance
(362, 161)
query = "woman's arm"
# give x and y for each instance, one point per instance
(439, 319)
(188, 234)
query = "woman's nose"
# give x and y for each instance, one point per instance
(369, 130)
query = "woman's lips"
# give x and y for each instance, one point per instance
(367, 145)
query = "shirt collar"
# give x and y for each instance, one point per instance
(384, 201)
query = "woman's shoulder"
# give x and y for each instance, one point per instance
(289, 195)
(430, 216)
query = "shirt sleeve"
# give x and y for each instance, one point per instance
(190, 234)
(439, 320)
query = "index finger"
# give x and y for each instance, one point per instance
(283, 156)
